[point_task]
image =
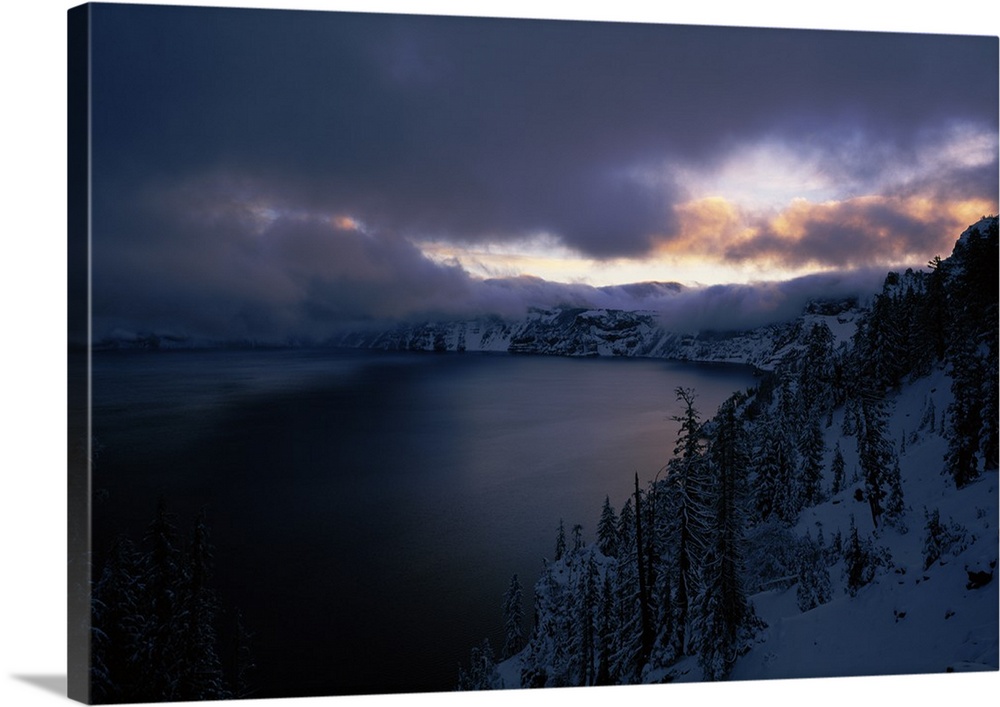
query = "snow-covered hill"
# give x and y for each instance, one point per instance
(606, 332)
(910, 619)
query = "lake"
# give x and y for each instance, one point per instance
(368, 509)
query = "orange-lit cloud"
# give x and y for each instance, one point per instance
(847, 233)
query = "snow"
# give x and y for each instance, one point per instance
(909, 620)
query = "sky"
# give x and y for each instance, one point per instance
(269, 174)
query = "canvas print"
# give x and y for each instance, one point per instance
(417, 353)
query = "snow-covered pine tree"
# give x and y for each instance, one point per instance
(605, 632)
(816, 375)
(725, 617)
(200, 674)
(625, 649)
(560, 541)
(513, 619)
(811, 451)
(159, 647)
(861, 560)
(964, 414)
(577, 539)
(607, 530)
(482, 673)
(895, 507)
(775, 486)
(156, 621)
(941, 538)
(686, 506)
(116, 624)
(837, 470)
(814, 587)
(879, 466)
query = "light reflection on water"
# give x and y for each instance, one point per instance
(368, 510)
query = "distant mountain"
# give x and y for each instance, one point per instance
(608, 332)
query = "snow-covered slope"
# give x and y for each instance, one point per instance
(909, 619)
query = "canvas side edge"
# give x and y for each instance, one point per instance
(78, 354)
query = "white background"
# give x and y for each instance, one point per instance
(33, 272)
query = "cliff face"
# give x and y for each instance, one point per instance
(605, 332)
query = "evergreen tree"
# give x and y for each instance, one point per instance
(201, 676)
(725, 617)
(690, 518)
(605, 633)
(625, 651)
(482, 673)
(156, 621)
(641, 567)
(775, 490)
(895, 508)
(560, 541)
(116, 625)
(941, 538)
(964, 415)
(163, 628)
(814, 586)
(878, 461)
(811, 451)
(837, 470)
(607, 531)
(861, 561)
(817, 373)
(513, 619)
(577, 539)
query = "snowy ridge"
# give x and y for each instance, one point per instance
(605, 332)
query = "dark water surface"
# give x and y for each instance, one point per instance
(368, 510)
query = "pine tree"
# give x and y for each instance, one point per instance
(816, 376)
(964, 415)
(160, 644)
(837, 470)
(200, 670)
(861, 561)
(941, 538)
(513, 619)
(878, 461)
(156, 621)
(605, 633)
(577, 539)
(690, 518)
(482, 673)
(814, 587)
(725, 617)
(895, 507)
(775, 490)
(625, 654)
(560, 541)
(116, 625)
(811, 452)
(607, 531)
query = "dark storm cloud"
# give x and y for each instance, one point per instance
(453, 129)
(479, 128)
